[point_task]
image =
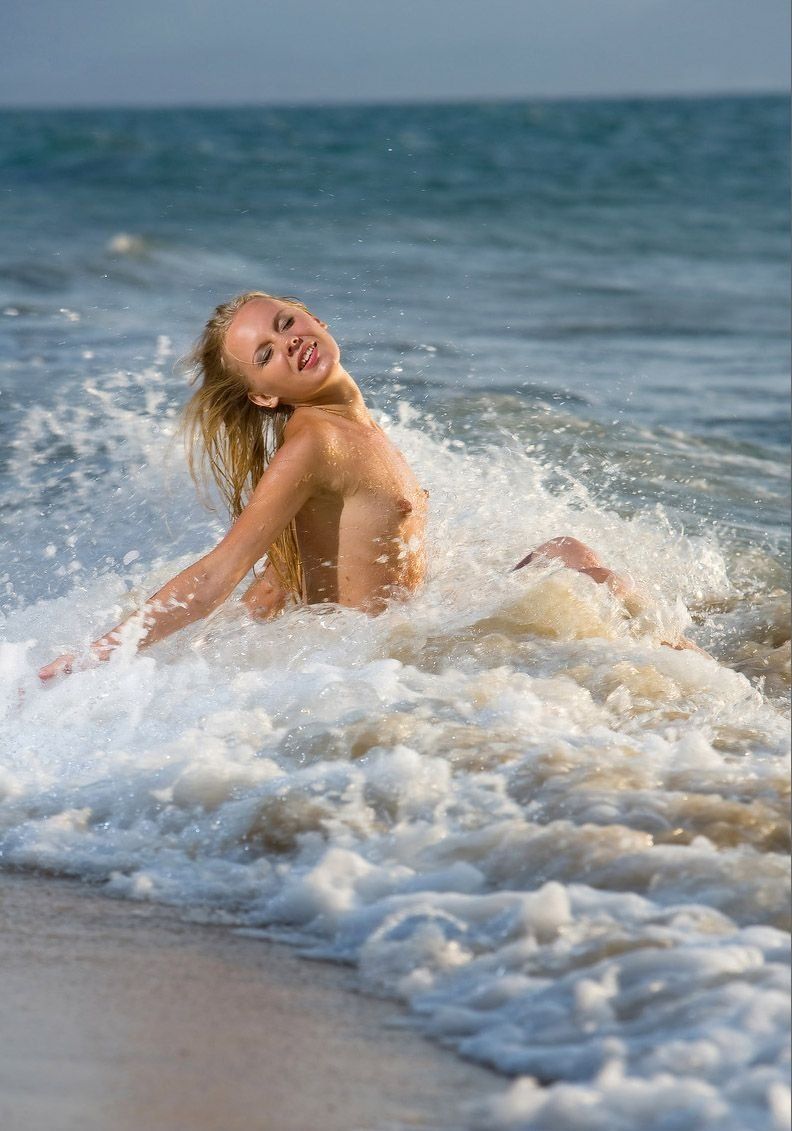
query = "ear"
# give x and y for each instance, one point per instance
(262, 401)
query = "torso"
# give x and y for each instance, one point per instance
(361, 536)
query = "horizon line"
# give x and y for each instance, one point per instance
(445, 100)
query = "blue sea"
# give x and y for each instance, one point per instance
(563, 845)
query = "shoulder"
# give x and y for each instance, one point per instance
(323, 440)
(308, 444)
(310, 431)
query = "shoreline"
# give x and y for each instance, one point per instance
(122, 1015)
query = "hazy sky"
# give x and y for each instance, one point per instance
(143, 52)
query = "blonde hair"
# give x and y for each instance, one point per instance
(236, 439)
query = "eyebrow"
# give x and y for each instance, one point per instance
(275, 320)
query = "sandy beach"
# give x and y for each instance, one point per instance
(504, 803)
(121, 1016)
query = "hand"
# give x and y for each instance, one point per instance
(64, 665)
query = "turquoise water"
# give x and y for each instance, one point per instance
(622, 264)
(562, 844)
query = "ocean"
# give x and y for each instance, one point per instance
(563, 845)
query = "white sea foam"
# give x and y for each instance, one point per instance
(562, 843)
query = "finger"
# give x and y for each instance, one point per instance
(56, 668)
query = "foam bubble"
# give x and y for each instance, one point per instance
(563, 844)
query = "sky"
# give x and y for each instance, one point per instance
(205, 52)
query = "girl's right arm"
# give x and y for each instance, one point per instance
(292, 477)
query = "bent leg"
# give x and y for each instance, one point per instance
(577, 555)
(266, 597)
(571, 551)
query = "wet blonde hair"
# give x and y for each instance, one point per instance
(232, 438)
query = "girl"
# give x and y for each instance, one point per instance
(310, 479)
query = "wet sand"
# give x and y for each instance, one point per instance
(122, 1017)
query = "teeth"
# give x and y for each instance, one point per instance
(307, 356)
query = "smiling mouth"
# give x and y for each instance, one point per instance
(308, 356)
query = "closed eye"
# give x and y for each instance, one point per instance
(263, 357)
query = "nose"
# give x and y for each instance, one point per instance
(294, 344)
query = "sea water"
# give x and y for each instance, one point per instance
(563, 844)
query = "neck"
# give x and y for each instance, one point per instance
(342, 397)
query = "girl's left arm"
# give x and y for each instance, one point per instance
(292, 477)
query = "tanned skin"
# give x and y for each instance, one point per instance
(360, 513)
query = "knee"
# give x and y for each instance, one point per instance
(264, 600)
(570, 551)
(574, 553)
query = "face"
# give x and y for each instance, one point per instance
(285, 354)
